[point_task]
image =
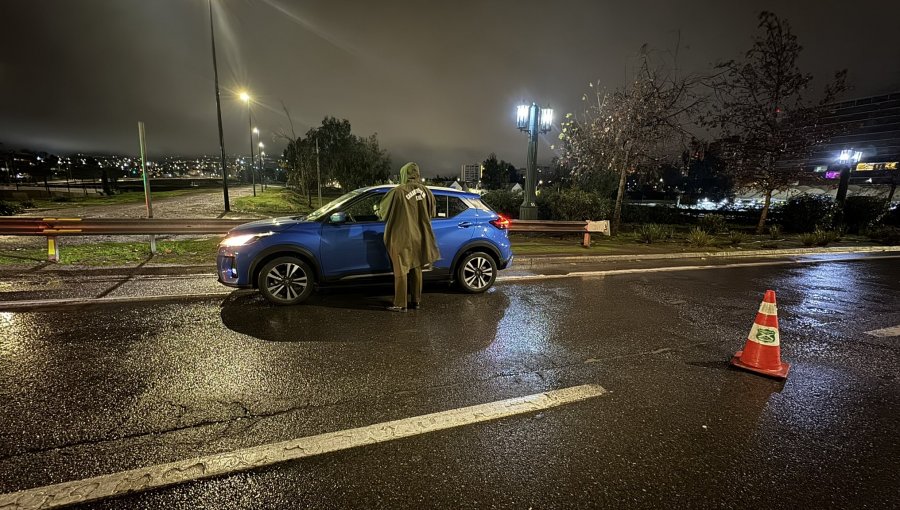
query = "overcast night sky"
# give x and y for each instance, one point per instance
(438, 81)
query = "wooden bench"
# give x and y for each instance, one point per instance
(586, 227)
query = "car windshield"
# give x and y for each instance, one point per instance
(330, 206)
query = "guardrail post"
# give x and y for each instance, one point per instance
(52, 249)
(587, 240)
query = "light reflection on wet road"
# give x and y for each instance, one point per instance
(103, 388)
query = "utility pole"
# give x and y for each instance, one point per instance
(212, 35)
(318, 173)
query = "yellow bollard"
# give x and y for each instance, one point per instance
(52, 249)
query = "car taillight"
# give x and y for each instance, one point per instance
(502, 223)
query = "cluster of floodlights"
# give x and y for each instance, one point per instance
(531, 116)
(850, 156)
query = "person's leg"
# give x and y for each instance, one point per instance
(415, 284)
(400, 283)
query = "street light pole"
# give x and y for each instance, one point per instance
(533, 120)
(259, 167)
(246, 98)
(212, 35)
(849, 158)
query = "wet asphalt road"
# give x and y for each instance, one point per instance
(100, 388)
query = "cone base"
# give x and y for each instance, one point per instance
(780, 373)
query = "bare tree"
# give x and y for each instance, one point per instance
(631, 126)
(762, 106)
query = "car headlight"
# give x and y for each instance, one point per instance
(243, 239)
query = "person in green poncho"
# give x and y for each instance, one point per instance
(408, 237)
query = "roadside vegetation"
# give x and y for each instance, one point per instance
(11, 207)
(282, 202)
(672, 239)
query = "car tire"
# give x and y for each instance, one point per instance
(476, 272)
(286, 281)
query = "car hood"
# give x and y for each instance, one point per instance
(268, 225)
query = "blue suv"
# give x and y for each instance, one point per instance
(343, 242)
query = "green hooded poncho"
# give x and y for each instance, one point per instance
(408, 210)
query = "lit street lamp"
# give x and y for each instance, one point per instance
(849, 158)
(533, 120)
(245, 97)
(212, 36)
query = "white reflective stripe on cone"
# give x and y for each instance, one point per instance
(768, 308)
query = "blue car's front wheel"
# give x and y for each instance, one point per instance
(286, 281)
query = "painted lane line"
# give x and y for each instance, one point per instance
(613, 272)
(886, 332)
(141, 479)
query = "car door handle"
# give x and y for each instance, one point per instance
(465, 224)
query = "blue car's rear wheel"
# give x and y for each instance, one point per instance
(476, 272)
(286, 281)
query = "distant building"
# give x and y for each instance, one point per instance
(470, 173)
(870, 126)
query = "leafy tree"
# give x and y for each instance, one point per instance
(628, 127)
(349, 160)
(707, 176)
(493, 176)
(762, 102)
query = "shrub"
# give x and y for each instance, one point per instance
(632, 213)
(736, 237)
(775, 232)
(9, 208)
(652, 232)
(805, 213)
(884, 235)
(819, 237)
(892, 217)
(825, 237)
(699, 237)
(27, 203)
(712, 223)
(61, 198)
(769, 245)
(504, 202)
(573, 205)
(862, 212)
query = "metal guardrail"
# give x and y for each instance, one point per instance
(34, 226)
(51, 228)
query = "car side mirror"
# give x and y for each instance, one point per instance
(338, 218)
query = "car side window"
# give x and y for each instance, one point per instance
(364, 209)
(455, 206)
(441, 206)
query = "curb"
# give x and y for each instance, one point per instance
(524, 262)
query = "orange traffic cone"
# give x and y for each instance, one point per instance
(762, 353)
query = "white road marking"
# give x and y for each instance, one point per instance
(613, 272)
(886, 332)
(141, 479)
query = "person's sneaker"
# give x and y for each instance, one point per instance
(400, 309)
(415, 305)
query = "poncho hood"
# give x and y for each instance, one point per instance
(410, 173)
